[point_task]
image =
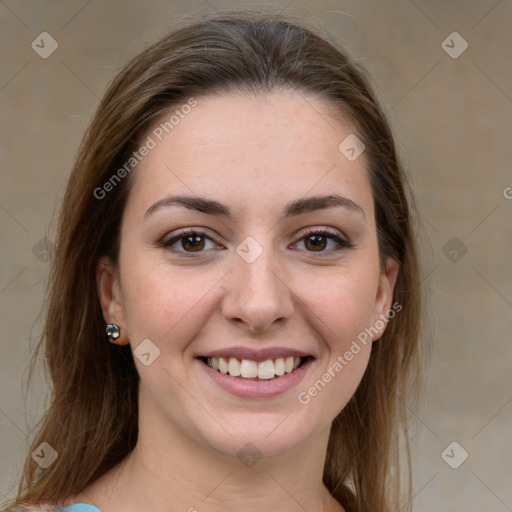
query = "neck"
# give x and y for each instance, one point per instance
(217, 484)
(168, 470)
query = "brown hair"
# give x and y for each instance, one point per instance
(93, 414)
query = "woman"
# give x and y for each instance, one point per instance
(236, 226)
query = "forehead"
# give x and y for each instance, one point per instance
(243, 148)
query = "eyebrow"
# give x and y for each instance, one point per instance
(292, 209)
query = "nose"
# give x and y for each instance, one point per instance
(257, 296)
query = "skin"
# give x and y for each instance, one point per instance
(253, 153)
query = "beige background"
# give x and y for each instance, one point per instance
(453, 119)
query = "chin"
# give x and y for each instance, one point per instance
(268, 436)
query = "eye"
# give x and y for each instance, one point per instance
(317, 240)
(195, 241)
(191, 241)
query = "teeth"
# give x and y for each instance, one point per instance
(223, 365)
(279, 366)
(288, 364)
(266, 369)
(234, 367)
(248, 369)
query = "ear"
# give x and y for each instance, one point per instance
(384, 297)
(109, 292)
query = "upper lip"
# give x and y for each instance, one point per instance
(256, 355)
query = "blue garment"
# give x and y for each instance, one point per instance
(76, 507)
(81, 507)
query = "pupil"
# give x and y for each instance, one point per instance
(318, 241)
(196, 241)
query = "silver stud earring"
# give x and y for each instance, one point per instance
(113, 331)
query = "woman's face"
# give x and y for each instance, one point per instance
(249, 281)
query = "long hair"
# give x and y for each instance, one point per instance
(92, 417)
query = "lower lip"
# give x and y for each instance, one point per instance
(256, 388)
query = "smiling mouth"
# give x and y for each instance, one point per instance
(248, 369)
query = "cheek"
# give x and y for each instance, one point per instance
(161, 302)
(339, 373)
(345, 305)
(344, 313)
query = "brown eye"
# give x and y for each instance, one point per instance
(192, 242)
(189, 242)
(318, 241)
(315, 242)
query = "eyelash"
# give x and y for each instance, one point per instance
(341, 242)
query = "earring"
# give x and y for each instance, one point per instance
(113, 331)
